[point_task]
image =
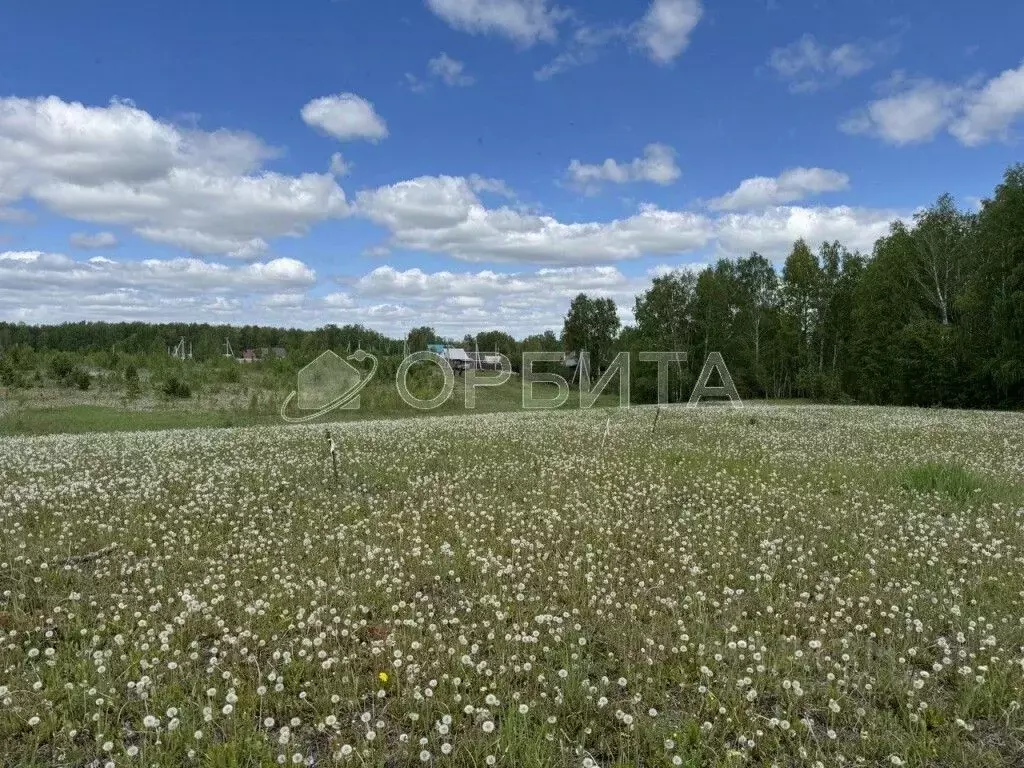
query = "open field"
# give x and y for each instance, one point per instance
(48, 410)
(774, 585)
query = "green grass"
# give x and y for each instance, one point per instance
(76, 419)
(377, 402)
(957, 484)
(739, 588)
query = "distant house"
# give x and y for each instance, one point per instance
(485, 360)
(248, 356)
(457, 357)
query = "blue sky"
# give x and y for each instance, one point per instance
(470, 164)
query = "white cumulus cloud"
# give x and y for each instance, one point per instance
(345, 116)
(989, 111)
(443, 214)
(916, 110)
(665, 29)
(38, 286)
(489, 285)
(450, 71)
(773, 231)
(808, 66)
(339, 165)
(521, 302)
(522, 21)
(658, 165)
(205, 192)
(789, 186)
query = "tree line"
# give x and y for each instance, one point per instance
(933, 316)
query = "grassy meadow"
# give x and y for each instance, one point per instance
(254, 400)
(773, 585)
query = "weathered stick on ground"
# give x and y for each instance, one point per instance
(89, 556)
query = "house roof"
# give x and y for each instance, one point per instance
(457, 353)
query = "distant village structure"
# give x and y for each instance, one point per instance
(183, 351)
(487, 360)
(461, 360)
(250, 355)
(457, 357)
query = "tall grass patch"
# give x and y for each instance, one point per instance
(957, 484)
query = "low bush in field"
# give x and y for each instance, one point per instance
(175, 387)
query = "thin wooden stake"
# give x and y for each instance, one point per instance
(657, 416)
(334, 454)
(607, 426)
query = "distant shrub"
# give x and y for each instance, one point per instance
(21, 356)
(9, 376)
(80, 378)
(61, 367)
(131, 379)
(829, 388)
(175, 387)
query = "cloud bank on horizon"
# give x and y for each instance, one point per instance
(474, 163)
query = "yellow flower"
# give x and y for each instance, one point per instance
(383, 677)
